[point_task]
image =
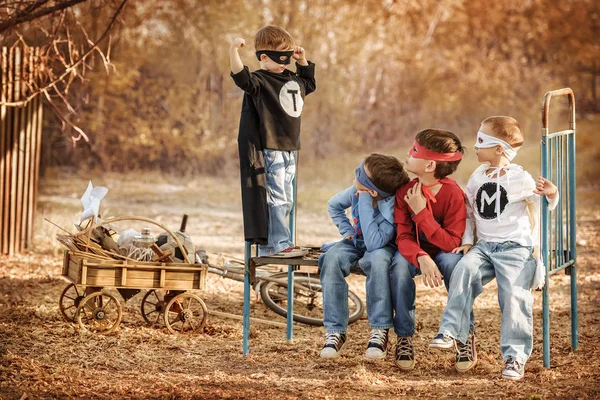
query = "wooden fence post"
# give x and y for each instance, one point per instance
(20, 140)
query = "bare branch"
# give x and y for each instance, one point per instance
(66, 121)
(29, 14)
(72, 67)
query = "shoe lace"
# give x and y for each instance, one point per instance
(333, 338)
(464, 350)
(404, 347)
(513, 364)
(378, 336)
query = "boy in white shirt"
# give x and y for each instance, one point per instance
(500, 197)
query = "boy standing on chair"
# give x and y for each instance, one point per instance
(368, 246)
(500, 195)
(430, 214)
(269, 136)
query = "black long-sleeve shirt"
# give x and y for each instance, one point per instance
(276, 101)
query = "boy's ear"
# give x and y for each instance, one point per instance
(263, 57)
(499, 150)
(430, 167)
(373, 193)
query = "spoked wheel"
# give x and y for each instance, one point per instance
(69, 300)
(186, 313)
(153, 306)
(308, 301)
(99, 313)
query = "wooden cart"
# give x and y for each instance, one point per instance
(168, 299)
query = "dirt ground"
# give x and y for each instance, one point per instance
(42, 356)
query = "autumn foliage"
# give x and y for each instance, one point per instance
(385, 69)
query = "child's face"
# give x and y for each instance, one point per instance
(418, 166)
(362, 188)
(492, 153)
(272, 66)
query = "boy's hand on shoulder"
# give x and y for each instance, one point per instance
(300, 55)
(544, 187)
(465, 248)
(237, 43)
(431, 274)
(415, 199)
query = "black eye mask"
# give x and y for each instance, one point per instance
(280, 57)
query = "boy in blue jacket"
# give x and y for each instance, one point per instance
(368, 242)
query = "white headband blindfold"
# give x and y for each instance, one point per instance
(486, 141)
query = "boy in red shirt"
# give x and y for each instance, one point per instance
(430, 214)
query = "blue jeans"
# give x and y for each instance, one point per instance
(514, 267)
(336, 264)
(280, 169)
(402, 275)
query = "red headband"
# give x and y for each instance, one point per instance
(418, 151)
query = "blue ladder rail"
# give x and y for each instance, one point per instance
(559, 226)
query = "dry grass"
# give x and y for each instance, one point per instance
(43, 356)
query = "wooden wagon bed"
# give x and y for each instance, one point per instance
(133, 275)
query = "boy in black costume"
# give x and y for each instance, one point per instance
(269, 136)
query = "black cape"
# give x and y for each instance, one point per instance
(270, 119)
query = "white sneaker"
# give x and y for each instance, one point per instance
(513, 369)
(378, 343)
(291, 252)
(333, 345)
(442, 341)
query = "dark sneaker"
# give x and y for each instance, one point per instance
(513, 369)
(466, 355)
(333, 345)
(405, 355)
(378, 343)
(442, 341)
(291, 252)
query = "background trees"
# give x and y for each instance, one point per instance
(385, 68)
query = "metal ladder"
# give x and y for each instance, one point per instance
(559, 226)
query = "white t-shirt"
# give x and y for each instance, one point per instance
(499, 214)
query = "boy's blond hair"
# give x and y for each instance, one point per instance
(505, 128)
(273, 38)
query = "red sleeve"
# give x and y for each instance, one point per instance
(447, 236)
(405, 238)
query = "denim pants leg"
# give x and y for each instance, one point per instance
(334, 266)
(515, 268)
(376, 266)
(402, 286)
(469, 276)
(446, 262)
(280, 172)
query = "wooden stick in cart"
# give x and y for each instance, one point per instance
(161, 256)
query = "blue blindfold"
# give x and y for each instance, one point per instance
(363, 179)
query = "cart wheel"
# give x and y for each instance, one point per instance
(153, 307)
(99, 313)
(186, 313)
(69, 300)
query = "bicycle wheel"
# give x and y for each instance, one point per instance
(308, 304)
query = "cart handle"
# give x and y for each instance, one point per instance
(186, 256)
